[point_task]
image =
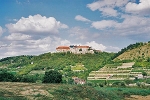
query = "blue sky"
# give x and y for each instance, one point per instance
(32, 27)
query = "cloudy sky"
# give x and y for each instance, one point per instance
(33, 27)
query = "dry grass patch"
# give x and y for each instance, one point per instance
(27, 90)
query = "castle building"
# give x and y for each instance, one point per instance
(75, 49)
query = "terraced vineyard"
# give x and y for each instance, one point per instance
(118, 72)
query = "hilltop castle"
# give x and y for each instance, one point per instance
(75, 49)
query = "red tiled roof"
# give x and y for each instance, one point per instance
(82, 46)
(63, 47)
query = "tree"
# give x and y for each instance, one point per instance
(144, 73)
(52, 76)
(5, 76)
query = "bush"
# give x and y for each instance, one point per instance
(76, 92)
(7, 77)
(129, 81)
(52, 76)
(148, 81)
(28, 78)
(119, 84)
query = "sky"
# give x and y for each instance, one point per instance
(33, 27)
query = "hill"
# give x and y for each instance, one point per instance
(79, 65)
(128, 64)
(138, 51)
(67, 63)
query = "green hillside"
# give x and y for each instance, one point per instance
(109, 76)
(80, 65)
(66, 63)
(129, 64)
(137, 52)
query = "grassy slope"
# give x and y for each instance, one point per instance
(140, 52)
(15, 91)
(56, 61)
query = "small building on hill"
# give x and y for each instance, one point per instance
(78, 80)
(63, 49)
(75, 49)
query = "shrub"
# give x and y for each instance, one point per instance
(119, 84)
(7, 77)
(52, 76)
(148, 81)
(129, 81)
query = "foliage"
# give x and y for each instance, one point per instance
(113, 65)
(119, 84)
(57, 61)
(148, 81)
(16, 61)
(9, 77)
(144, 73)
(143, 64)
(60, 60)
(130, 47)
(127, 81)
(65, 92)
(11, 96)
(52, 76)
(118, 93)
(78, 67)
(5, 76)
(78, 92)
(26, 70)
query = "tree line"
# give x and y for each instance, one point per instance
(51, 76)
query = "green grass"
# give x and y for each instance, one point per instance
(7, 95)
(102, 81)
(26, 70)
(115, 65)
(78, 67)
(13, 98)
(37, 72)
(115, 93)
(38, 91)
(77, 92)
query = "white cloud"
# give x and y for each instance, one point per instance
(81, 18)
(31, 46)
(104, 24)
(131, 25)
(109, 12)
(37, 24)
(1, 30)
(112, 49)
(78, 33)
(96, 46)
(18, 36)
(134, 22)
(107, 7)
(143, 7)
(65, 42)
